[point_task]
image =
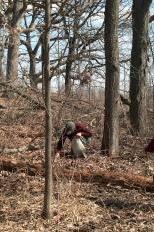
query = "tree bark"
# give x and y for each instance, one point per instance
(1, 42)
(110, 141)
(32, 52)
(12, 56)
(14, 41)
(32, 71)
(1, 50)
(138, 69)
(1, 64)
(69, 66)
(48, 192)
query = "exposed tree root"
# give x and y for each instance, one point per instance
(128, 180)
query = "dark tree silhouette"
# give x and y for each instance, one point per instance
(138, 70)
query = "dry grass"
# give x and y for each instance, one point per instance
(77, 206)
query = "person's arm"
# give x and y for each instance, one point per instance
(61, 141)
(84, 130)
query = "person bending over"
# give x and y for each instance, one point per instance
(79, 135)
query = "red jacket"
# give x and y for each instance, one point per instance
(79, 128)
(150, 146)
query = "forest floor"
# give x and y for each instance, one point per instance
(77, 205)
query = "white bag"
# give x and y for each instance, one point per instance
(78, 147)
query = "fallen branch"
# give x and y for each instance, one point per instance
(31, 135)
(40, 105)
(14, 109)
(129, 180)
(35, 103)
(30, 147)
(14, 166)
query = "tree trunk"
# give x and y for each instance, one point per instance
(1, 50)
(13, 48)
(2, 40)
(138, 69)
(48, 192)
(32, 71)
(1, 64)
(12, 56)
(110, 141)
(69, 66)
(43, 76)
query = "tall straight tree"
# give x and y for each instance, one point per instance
(19, 7)
(138, 69)
(110, 141)
(1, 40)
(1, 49)
(48, 192)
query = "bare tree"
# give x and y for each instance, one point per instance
(110, 141)
(138, 70)
(18, 9)
(31, 38)
(77, 42)
(77, 32)
(48, 192)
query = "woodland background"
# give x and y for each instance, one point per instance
(89, 61)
